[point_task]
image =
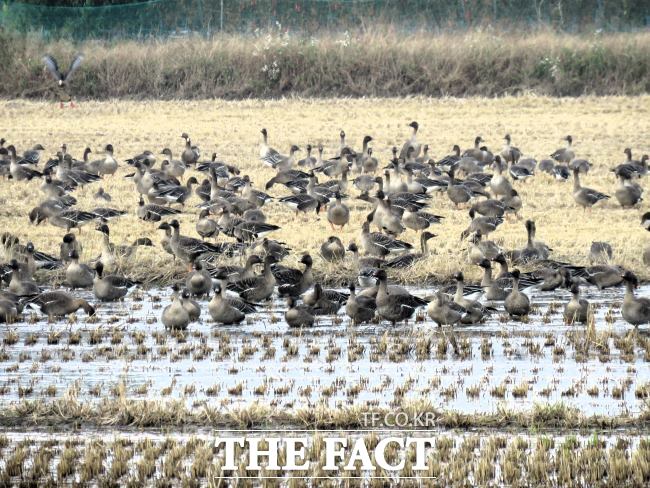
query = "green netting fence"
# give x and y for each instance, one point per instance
(207, 17)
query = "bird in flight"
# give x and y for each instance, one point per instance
(62, 78)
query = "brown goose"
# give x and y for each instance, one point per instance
(585, 197)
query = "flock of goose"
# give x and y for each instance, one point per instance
(398, 194)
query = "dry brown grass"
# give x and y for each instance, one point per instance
(602, 128)
(378, 62)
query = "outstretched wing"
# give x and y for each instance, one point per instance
(74, 66)
(52, 67)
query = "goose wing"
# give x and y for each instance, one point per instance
(74, 66)
(53, 67)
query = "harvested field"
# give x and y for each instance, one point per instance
(601, 127)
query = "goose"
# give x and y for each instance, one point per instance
(631, 169)
(112, 252)
(533, 251)
(461, 192)
(443, 311)
(474, 310)
(191, 306)
(68, 245)
(484, 225)
(628, 194)
(309, 160)
(301, 202)
(380, 245)
(564, 154)
(561, 172)
(287, 178)
(480, 249)
(645, 221)
(369, 163)
(366, 183)
(233, 273)
(186, 248)
(552, 278)
(600, 252)
(547, 166)
(66, 219)
(175, 316)
(517, 304)
(495, 290)
(255, 197)
(520, 173)
(412, 142)
(59, 303)
(366, 266)
(337, 166)
(525, 279)
(258, 288)
(394, 307)
(102, 194)
(450, 160)
(78, 275)
(512, 203)
(109, 288)
(255, 215)
(324, 302)
(173, 168)
(409, 259)
(199, 281)
(635, 311)
(205, 226)
(292, 281)
(152, 212)
(279, 250)
(29, 258)
(9, 310)
(394, 184)
(280, 162)
(19, 285)
(18, 171)
(530, 164)
(582, 165)
(32, 156)
(106, 213)
(603, 275)
(510, 154)
(585, 197)
(73, 175)
(246, 231)
(499, 184)
(298, 315)
(577, 310)
(145, 158)
(474, 152)
(332, 250)
(174, 193)
(360, 309)
(385, 217)
(338, 213)
(109, 164)
(490, 208)
(191, 154)
(62, 78)
(431, 184)
(228, 310)
(418, 220)
(57, 189)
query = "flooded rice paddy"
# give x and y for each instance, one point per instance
(125, 351)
